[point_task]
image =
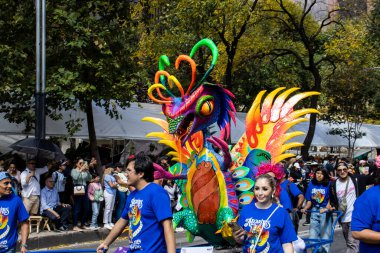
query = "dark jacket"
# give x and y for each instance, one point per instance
(360, 183)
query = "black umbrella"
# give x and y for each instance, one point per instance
(39, 148)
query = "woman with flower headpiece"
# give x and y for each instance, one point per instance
(366, 216)
(264, 225)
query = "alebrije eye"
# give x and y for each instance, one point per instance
(205, 106)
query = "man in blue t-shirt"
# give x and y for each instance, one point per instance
(365, 223)
(147, 211)
(12, 210)
(291, 199)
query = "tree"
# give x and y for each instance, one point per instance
(350, 91)
(225, 22)
(17, 61)
(90, 48)
(307, 47)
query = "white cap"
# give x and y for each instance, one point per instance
(297, 165)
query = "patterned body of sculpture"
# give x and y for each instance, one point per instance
(215, 183)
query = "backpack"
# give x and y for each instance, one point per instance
(294, 199)
(98, 195)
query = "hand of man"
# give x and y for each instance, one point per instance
(102, 248)
(23, 249)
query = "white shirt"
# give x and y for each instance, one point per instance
(33, 187)
(351, 197)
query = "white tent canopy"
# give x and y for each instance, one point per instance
(130, 126)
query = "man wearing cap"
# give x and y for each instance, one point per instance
(12, 211)
(344, 192)
(59, 179)
(291, 199)
(330, 167)
(30, 182)
(51, 206)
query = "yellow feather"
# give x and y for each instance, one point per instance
(302, 112)
(160, 135)
(286, 93)
(255, 104)
(282, 157)
(288, 125)
(291, 135)
(162, 123)
(290, 145)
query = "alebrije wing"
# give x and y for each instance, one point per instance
(267, 124)
(180, 154)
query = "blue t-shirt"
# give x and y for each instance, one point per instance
(107, 187)
(145, 209)
(277, 231)
(318, 194)
(285, 199)
(366, 215)
(12, 210)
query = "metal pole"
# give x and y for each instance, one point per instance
(38, 66)
(43, 70)
(38, 53)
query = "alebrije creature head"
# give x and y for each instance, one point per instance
(200, 106)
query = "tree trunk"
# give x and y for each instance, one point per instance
(92, 135)
(310, 133)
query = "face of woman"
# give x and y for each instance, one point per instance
(263, 191)
(319, 176)
(12, 168)
(80, 163)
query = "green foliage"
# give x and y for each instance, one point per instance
(17, 57)
(89, 57)
(350, 92)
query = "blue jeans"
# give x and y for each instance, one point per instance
(320, 227)
(121, 198)
(95, 213)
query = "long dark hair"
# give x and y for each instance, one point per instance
(326, 178)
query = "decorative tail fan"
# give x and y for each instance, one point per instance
(265, 139)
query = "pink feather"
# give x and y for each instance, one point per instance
(160, 173)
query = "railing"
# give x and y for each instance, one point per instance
(316, 243)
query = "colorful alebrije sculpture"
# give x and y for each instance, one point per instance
(218, 182)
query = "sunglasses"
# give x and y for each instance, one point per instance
(341, 170)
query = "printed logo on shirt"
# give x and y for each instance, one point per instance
(4, 227)
(318, 195)
(135, 224)
(261, 242)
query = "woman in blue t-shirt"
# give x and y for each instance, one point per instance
(318, 199)
(365, 224)
(264, 226)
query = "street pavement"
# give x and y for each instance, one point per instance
(337, 247)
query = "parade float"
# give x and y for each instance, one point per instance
(219, 179)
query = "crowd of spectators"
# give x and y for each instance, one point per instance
(78, 195)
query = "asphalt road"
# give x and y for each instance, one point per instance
(337, 247)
